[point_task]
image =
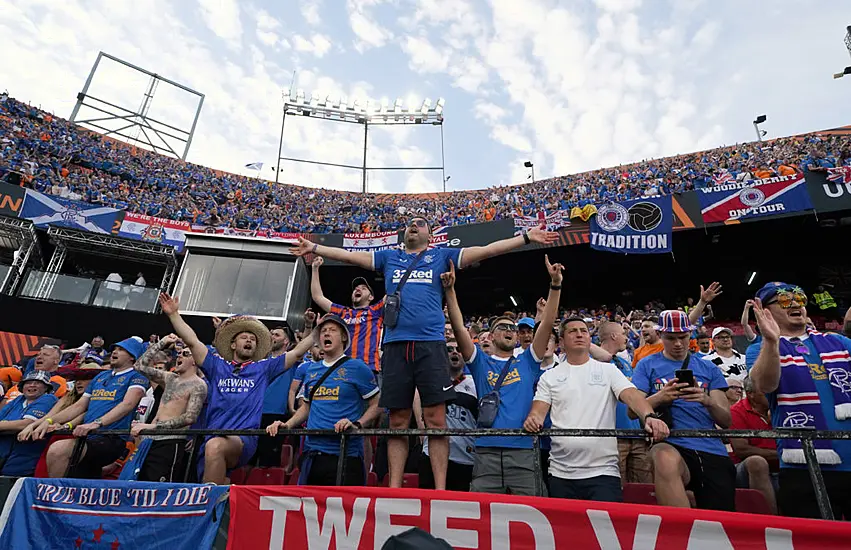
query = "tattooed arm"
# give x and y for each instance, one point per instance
(143, 364)
(197, 390)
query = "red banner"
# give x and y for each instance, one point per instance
(302, 518)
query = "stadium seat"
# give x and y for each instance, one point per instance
(751, 501)
(372, 479)
(265, 476)
(287, 457)
(293, 477)
(639, 493)
(409, 481)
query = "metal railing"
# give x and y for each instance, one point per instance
(807, 436)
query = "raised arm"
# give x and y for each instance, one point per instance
(475, 254)
(316, 286)
(746, 326)
(360, 259)
(542, 335)
(465, 342)
(766, 369)
(294, 355)
(170, 307)
(706, 296)
(143, 364)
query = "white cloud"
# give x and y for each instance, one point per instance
(369, 33)
(310, 12)
(222, 17)
(317, 44)
(423, 57)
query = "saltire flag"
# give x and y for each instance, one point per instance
(254, 166)
(110, 515)
(553, 221)
(641, 226)
(840, 174)
(366, 242)
(765, 197)
(155, 230)
(44, 210)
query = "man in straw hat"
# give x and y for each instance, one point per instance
(346, 398)
(238, 374)
(18, 459)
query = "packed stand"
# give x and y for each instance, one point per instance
(52, 155)
(413, 359)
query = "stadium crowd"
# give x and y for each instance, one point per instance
(52, 155)
(413, 359)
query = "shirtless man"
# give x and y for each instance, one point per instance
(160, 457)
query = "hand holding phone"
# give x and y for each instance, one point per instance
(685, 376)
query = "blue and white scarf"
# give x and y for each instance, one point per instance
(798, 402)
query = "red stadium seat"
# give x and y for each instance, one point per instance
(409, 481)
(266, 476)
(372, 479)
(294, 477)
(751, 501)
(639, 493)
(287, 457)
(237, 477)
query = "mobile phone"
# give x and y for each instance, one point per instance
(685, 376)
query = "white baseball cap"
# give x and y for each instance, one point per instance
(718, 330)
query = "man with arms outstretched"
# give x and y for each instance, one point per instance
(239, 375)
(415, 349)
(161, 457)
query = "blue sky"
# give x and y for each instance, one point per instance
(572, 86)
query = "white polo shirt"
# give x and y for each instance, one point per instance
(583, 396)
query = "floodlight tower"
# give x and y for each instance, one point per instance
(847, 69)
(353, 111)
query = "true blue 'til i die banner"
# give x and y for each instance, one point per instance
(110, 515)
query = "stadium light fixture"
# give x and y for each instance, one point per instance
(846, 71)
(759, 120)
(439, 107)
(513, 301)
(529, 164)
(751, 278)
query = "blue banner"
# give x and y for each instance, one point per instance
(112, 515)
(766, 197)
(641, 226)
(44, 210)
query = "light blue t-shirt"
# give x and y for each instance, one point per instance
(342, 395)
(515, 394)
(235, 400)
(825, 393)
(623, 421)
(21, 457)
(421, 315)
(654, 371)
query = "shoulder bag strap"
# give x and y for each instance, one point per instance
(503, 373)
(686, 361)
(408, 272)
(327, 373)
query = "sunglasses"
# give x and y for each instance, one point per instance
(451, 349)
(787, 298)
(185, 353)
(418, 223)
(800, 346)
(506, 327)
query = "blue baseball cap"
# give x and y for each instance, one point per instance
(770, 290)
(526, 322)
(132, 345)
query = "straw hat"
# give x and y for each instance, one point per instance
(232, 326)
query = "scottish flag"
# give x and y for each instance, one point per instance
(44, 210)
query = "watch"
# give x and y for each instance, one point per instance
(555, 287)
(654, 414)
(99, 422)
(357, 424)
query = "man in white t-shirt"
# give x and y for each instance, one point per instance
(582, 392)
(730, 361)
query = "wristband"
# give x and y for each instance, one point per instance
(555, 287)
(315, 246)
(49, 421)
(357, 424)
(69, 426)
(526, 238)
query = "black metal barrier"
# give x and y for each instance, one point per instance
(807, 436)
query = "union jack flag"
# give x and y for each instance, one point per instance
(722, 177)
(842, 174)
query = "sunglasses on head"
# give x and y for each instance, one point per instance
(787, 298)
(506, 327)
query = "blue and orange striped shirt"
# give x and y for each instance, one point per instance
(365, 324)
